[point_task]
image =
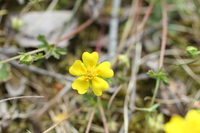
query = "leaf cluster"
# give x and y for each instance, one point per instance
(162, 76)
(50, 49)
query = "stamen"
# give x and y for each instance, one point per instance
(90, 74)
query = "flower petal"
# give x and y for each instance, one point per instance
(78, 68)
(81, 84)
(90, 59)
(104, 70)
(175, 125)
(193, 121)
(99, 85)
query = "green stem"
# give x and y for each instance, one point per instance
(155, 91)
(19, 56)
(152, 102)
(142, 109)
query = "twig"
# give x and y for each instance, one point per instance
(19, 56)
(42, 71)
(103, 115)
(145, 18)
(101, 32)
(128, 25)
(135, 68)
(90, 120)
(21, 97)
(113, 33)
(51, 102)
(134, 27)
(56, 124)
(164, 33)
(77, 4)
(126, 118)
(114, 94)
(81, 27)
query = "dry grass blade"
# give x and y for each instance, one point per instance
(56, 124)
(103, 115)
(90, 120)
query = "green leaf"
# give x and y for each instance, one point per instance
(28, 131)
(5, 73)
(159, 74)
(61, 51)
(56, 55)
(186, 63)
(38, 56)
(50, 49)
(57, 52)
(42, 39)
(154, 107)
(26, 60)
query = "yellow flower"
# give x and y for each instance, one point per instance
(191, 123)
(91, 74)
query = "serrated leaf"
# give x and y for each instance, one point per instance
(42, 39)
(159, 74)
(4, 72)
(26, 60)
(41, 46)
(61, 51)
(38, 56)
(56, 55)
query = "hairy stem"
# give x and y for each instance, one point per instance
(19, 56)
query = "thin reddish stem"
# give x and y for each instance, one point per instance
(103, 115)
(81, 27)
(99, 43)
(146, 16)
(164, 33)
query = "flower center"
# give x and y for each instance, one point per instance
(90, 74)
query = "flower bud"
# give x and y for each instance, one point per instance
(191, 51)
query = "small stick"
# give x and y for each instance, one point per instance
(147, 14)
(90, 120)
(164, 33)
(56, 124)
(103, 115)
(114, 94)
(81, 27)
(22, 97)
